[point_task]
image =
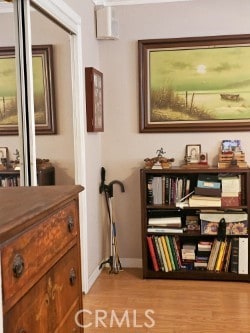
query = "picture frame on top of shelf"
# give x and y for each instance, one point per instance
(179, 90)
(193, 153)
(230, 145)
(4, 158)
(94, 99)
(44, 94)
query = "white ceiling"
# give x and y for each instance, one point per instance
(130, 2)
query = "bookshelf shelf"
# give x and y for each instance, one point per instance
(10, 178)
(164, 253)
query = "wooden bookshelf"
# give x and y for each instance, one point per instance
(169, 207)
(10, 178)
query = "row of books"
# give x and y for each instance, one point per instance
(229, 255)
(164, 252)
(10, 181)
(166, 189)
(208, 191)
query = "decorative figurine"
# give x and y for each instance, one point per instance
(158, 162)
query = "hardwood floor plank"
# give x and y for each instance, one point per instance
(179, 306)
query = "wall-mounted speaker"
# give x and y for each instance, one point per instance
(106, 23)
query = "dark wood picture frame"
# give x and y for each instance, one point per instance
(44, 94)
(193, 152)
(168, 89)
(94, 99)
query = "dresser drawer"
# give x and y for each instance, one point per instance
(51, 304)
(70, 325)
(27, 257)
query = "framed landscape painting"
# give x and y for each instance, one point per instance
(199, 84)
(44, 99)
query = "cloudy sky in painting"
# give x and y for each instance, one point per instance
(201, 69)
(8, 76)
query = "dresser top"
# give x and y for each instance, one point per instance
(21, 206)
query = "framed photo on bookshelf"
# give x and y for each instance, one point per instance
(193, 153)
(94, 100)
(3, 156)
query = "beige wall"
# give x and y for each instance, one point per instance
(123, 148)
(93, 144)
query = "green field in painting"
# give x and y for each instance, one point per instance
(8, 110)
(220, 108)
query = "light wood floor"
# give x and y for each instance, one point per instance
(179, 306)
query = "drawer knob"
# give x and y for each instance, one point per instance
(72, 276)
(70, 223)
(18, 265)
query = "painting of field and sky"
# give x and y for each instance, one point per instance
(43, 107)
(8, 107)
(198, 85)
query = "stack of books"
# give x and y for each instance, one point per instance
(188, 255)
(231, 190)
(169, 224)
(202, 255)
(207, 193)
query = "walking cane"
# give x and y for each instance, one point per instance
(114, 260)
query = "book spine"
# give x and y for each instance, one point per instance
(213, 255)
(173, 252)
(170, 252)
(166, 253)
(243, 255)
(163, 254)
(234, 262)
(163, 180)
(228, 255)
(152, 254)
(159, 253)
(167, 187)
(150, 197)
(220, 257)
(176, 241)
(165, 250)
(155, 245)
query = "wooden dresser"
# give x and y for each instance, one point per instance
(40, 259)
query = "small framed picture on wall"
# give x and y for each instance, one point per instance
(94, 99)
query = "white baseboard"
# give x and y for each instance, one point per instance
(92, 278)
(131, 262)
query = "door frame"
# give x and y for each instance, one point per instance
(62, 14)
